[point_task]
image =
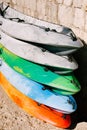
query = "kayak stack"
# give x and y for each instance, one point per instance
(36, 66)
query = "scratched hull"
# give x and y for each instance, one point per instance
(31, 107)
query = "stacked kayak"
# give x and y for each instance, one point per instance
(32, 89)
(52, 41)
(38, 55)
(39, 73)
(42, 33)
(40, 111)
(35, 70)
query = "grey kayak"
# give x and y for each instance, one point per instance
(31, 33)
(37, 54)
(60, 46)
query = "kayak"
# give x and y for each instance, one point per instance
(31, 33)
(34, 90)
(63, 32)
(39, 73)
(33, 108)
(38, 55)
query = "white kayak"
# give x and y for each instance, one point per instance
(9, 12)
(55, 38)
(38, 55)
(31, 33)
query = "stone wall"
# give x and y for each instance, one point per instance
(71, 13)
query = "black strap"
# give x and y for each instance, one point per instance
(73, 37)
(19, 20)
(2, 12)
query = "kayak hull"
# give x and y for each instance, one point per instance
(30, 106)
(39, 73)
(14, 15)
(38, 55)
(35, 91)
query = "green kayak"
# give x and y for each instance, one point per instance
(39, 73)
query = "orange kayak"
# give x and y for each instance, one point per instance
(34, 108)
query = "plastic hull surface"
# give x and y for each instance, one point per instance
(30, 106)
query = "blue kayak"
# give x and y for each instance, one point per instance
(34, 90)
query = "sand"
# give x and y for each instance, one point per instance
(14, 118)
